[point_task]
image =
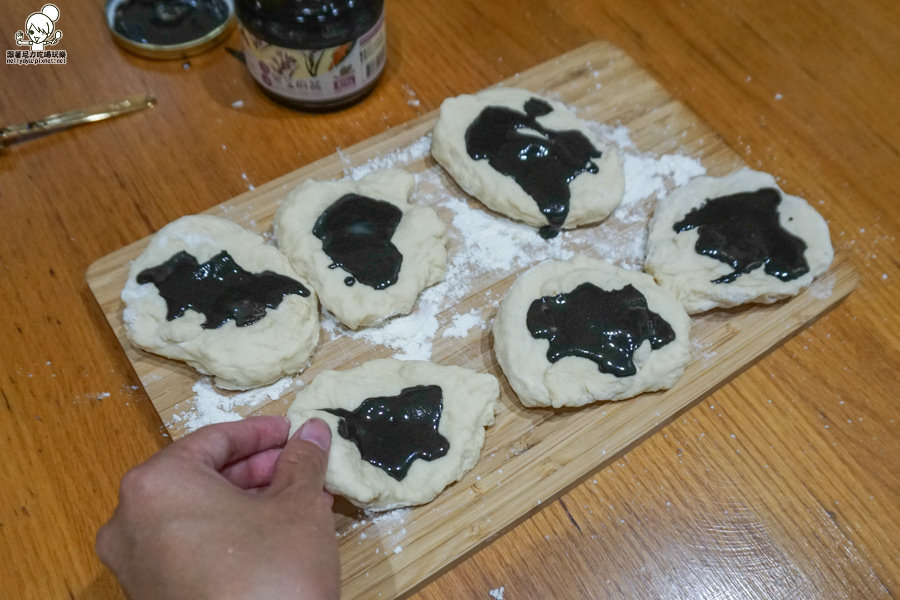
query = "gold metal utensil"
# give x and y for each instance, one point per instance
(59, 121)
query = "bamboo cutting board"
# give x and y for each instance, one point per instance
(530, 456)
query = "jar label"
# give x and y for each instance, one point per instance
(322, 75)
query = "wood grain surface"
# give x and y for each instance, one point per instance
(530, 456)
(783, 483)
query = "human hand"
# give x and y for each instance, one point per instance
(227, 513)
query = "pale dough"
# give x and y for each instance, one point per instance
(420, 237)
(469, 404)
(574, 380)
(677, 266)
(593, 195)
(278, 344)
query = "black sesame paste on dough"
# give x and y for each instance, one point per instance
(606, 327)
(356, 234)
(542, 161)
(393, 431)
(219, 288)
(742, 231)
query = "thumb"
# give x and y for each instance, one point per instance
(303, 460)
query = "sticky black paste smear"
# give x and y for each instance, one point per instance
(542, 161)
(219, 288)
(393, 431)
(356, 234)
(742, 230)
(602, 326)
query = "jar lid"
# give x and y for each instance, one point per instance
(165, 29)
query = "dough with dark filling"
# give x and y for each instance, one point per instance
(276, 345)
(575, 380)
(593, 196)
(420, 237)
(469, 403)
(672, 258)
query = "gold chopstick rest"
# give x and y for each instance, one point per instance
(59, 121)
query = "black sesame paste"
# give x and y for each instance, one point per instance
(356, 234)
(393, 431)
(168, 22)
(606, 327)
(742, 231)
(542, 161)
(219, 288)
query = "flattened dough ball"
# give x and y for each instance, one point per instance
(384, 413)
(725, 241)
(214, 295)
(367, 251)
(528, 158)
(572, 332)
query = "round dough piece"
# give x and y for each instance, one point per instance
(469, 404)
(673, 260)
(420, 237)
(252, 355)
(592, 196)
(577, 380)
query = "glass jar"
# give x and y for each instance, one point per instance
(313, 54)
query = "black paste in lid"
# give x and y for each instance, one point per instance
(742, 230)
(542, 161)
(356, 234)
(393, 431)
(606, 327)
(168, 22)
(219, 288)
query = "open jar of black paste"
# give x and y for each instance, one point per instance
(314, 54)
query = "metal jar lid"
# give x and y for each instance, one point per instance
(204, 40)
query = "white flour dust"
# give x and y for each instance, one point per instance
(395, 159)
(486, 244)
(463, 323)
(213, 406)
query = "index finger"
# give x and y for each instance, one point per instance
(222, 444)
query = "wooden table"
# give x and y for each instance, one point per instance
(783, 483)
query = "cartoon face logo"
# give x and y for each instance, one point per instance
(39, 29)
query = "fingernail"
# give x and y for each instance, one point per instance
(317, 432)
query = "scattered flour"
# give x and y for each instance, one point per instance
(411, 335)
(395, 159)
(702, 351)
(212, 406)
(619, 136)
(463, 323)
(483, 244)
(497, 594)
(413, 100)
(388, 519)
(646, 176)
(822, 288)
